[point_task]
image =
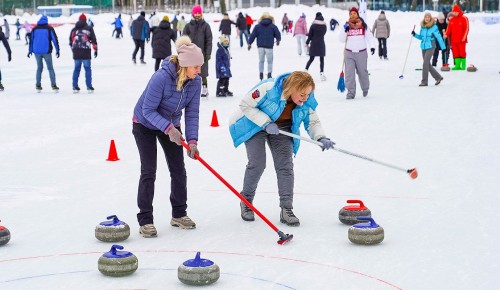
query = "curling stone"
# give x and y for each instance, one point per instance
(198, 272)
(471, 68)
(4, 235)
(112, 230)
(117, 263)
(366, 233)
(349, 213)
(445, 67)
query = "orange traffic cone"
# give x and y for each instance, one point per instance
(112, 156)
(215, 122)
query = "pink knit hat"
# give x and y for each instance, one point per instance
(189, 54)
(197, 10)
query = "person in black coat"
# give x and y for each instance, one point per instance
(241, 23)
(316, 42)
(225, 25)
(160, 42)
(201, 34)
(265, 32)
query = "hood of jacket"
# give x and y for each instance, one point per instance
(43, 21)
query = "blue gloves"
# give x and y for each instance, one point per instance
(326, 143)
(346, 27)
(272, 129)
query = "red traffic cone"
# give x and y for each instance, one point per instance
(215, 122)
(112, 156)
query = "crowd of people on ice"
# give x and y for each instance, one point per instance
(269, 113)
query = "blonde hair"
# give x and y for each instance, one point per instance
(297, 81)
(181, 72)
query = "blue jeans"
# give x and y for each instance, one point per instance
(48, 60)
(265, 53)
(88, 72)
(243, 32)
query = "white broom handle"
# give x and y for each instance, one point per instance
(343, 151)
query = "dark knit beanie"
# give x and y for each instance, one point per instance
(319, 16)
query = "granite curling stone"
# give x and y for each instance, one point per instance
(198, 272)
(349, 213)
(4, 235)
(117, 263)
(471, 68)
(366, 233)
(112, 230)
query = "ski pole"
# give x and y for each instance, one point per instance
(406, 58)
(284, 238)
(412, 172)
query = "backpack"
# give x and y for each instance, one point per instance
(80, 40)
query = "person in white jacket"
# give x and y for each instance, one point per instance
(358, 39)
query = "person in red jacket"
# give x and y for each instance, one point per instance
(458, 29)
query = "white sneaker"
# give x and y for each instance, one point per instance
(322, 77)
(204, 91)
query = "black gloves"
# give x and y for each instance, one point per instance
(29, 54)
(413, 33)
(249, 46)
(372, 50)
(10, 57)
(277, 43)
(95, 54)
(57, 54)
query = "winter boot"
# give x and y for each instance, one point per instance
(463, 65)
(246, 212)
(142, 61)
(204, 91)
(1, 87)
(322, 77)
(261, 76)
(90, 90)
(148, 231)
(134, 60)
(457, 61)
(184, 223)
(76, 89)
(229, 93)
(55, 88)
(38, 88)
(269, 75)
(287, 217)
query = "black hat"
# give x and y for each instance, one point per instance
(319, 16)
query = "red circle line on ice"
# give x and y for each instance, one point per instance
(222, 253)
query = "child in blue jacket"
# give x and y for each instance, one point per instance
(223, 67)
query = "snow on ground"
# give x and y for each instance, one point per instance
(56, 186)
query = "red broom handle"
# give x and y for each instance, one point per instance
(231, 188)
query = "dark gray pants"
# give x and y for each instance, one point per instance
(282, 151)
(427, 67)
(146, 143)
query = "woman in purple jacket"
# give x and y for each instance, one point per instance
(157, 114)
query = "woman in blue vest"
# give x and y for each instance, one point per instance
(283, 103)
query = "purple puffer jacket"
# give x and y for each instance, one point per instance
(161, 104)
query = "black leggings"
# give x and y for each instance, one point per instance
(321, 62)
